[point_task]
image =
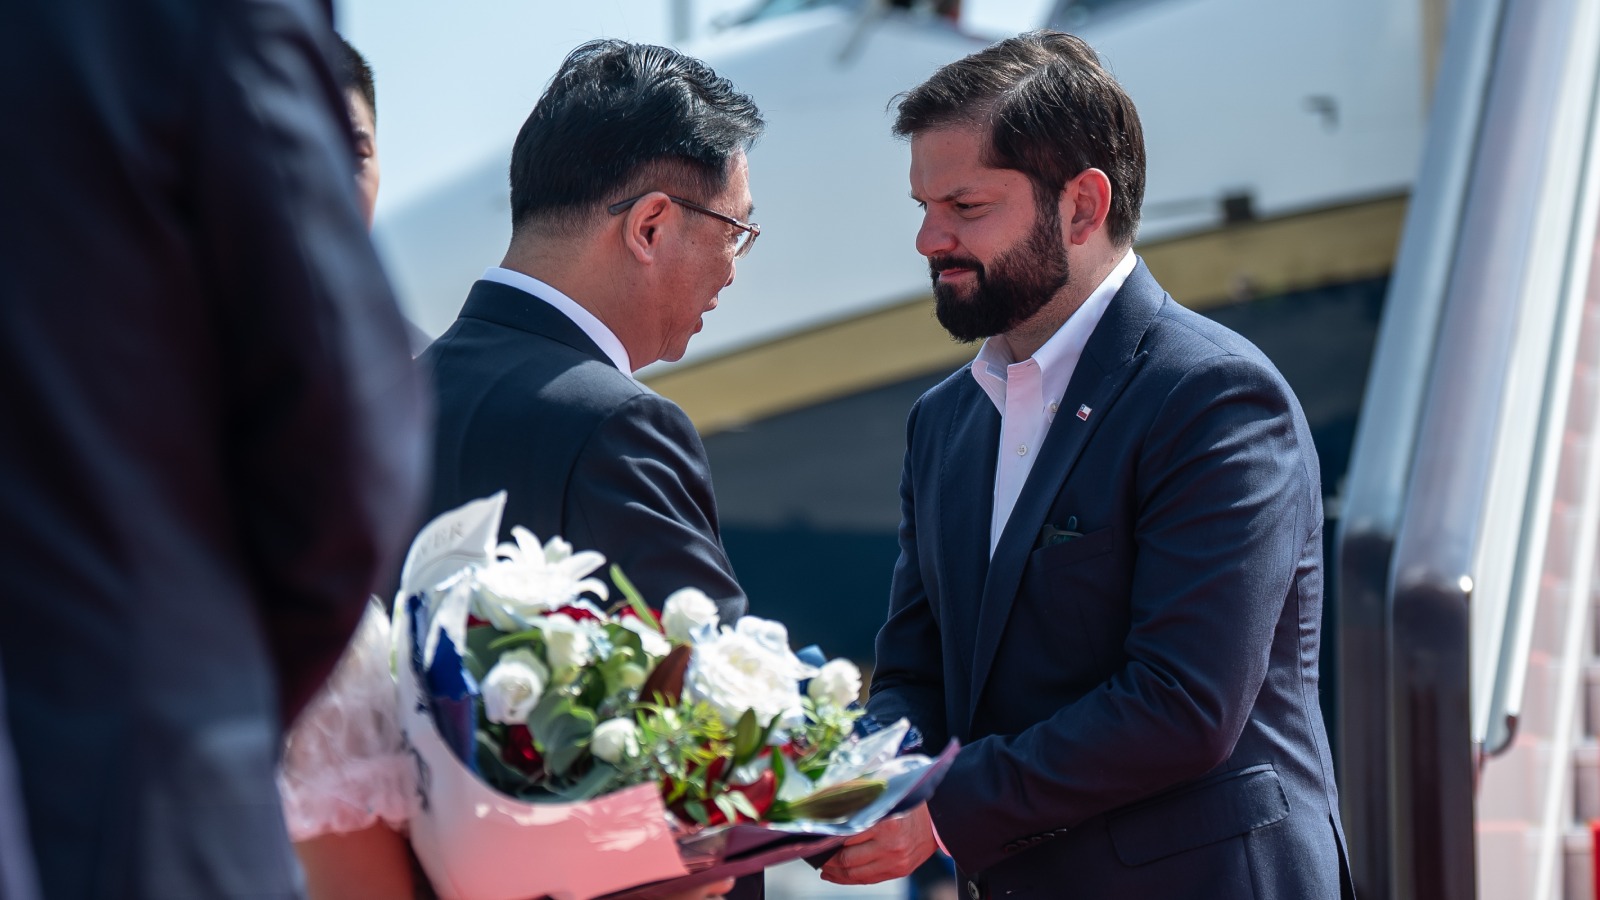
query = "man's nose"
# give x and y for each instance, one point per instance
(733, 269)
(934, 239)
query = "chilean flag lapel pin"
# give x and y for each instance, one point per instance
(1083, 412)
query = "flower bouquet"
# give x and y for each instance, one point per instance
(572, 744)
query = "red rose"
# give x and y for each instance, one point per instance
(575, 613)
(518, 752)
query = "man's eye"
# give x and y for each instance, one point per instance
(965, 207)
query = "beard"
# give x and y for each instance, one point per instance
(1017, 285)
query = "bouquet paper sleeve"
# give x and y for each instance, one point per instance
(475, 843)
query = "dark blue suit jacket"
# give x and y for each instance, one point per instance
(528, 404)
(1139, 704)
(213, 431)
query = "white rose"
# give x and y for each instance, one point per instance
(688, 612)
(838, 683)
(513, 686)
(768, 633)
(734, 672)
(614, 740)
(566, 643)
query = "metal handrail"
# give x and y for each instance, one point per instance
(1385, 439)
(1552, 301)
(1466, 507)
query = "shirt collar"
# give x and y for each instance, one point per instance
(1058, 357)
(597, 331)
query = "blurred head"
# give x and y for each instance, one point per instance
(638, 152)
(361, 98)
(1027, 157)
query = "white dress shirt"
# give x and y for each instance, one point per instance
(1029, 392)
(593, 327)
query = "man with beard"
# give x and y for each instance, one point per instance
(1110, 581)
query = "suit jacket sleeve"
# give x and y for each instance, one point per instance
(324, 423)
(1227, 499)
(908, 675)
(643, 495)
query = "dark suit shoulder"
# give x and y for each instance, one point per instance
(1185, 336)
(953, 389)
(521, 374)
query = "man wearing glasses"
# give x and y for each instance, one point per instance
(629, 191)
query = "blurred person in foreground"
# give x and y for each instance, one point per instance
(17, 878)
(1110, 580)
(214, 435)
(630, 201)
(346, 777)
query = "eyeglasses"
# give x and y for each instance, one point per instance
(749, 230)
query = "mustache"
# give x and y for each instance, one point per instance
(938, 264)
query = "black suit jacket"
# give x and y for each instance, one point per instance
(1138, 704)
(528, 404)
(212, 435)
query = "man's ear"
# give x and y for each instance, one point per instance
(642, 225)
(1085, 203)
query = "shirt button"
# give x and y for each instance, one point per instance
(1054, 408)
(1022, 449)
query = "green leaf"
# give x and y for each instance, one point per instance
(498, 641)
(696, 811)
(550, 707)
(634, 598)
(561, 731)
(780, 770)
(747, 738)
(601, 779)
(568, 743)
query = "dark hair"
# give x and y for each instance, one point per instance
(1051, 110)
(356, 75)
(616, 114)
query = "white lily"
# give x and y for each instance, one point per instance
(529, 579)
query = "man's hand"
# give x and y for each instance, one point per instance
(889, 849)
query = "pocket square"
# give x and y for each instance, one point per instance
(1051, 534)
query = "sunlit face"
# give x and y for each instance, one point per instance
(705, 264)
(364, 125)
(995, 256)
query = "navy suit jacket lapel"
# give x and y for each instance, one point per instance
(966, 504)
(502, 304)
(1109, 361)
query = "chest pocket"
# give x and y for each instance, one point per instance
(1077, 591)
